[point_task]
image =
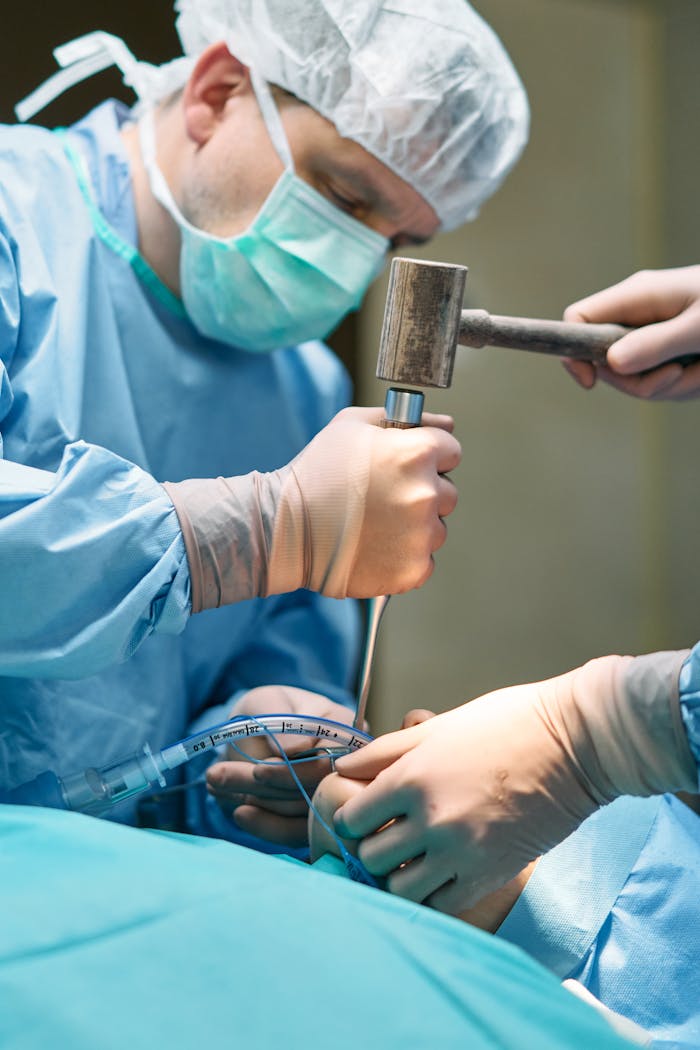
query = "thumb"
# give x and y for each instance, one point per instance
(652, 345)
(370, 760)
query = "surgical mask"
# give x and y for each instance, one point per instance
(301, 265)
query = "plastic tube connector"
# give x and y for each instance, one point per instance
(96, 790)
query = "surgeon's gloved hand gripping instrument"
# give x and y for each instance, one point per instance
(421, 322)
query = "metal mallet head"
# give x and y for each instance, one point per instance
(424, 322)
(420, 332)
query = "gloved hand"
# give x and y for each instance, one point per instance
(334, 790)
(357, 514)
(668, 303)
(264, 800)
(474, 794)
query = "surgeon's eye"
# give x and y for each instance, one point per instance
(346, 204)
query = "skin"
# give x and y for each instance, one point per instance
(218, 159)
(665, 306)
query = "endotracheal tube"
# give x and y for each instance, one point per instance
(96, 791)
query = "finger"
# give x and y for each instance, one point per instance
(376, 416)
(296, 808)
(454, 897)
(448, 451)
(369, 811)
(686, 387)
(648, 386)
(389, 848)
(371, 759)
(641, 299)
(447, 497)
(231, 796)
(421, 878)
(289, 831)
(225, 779)
(277, 775)
(583, 372)
(285, 809)
(440, 422)
(654, 344)
(438, 539)
(416, 717)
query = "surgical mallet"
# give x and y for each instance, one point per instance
(421, 318)
(422, 334)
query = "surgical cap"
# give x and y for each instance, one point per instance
(423, 85)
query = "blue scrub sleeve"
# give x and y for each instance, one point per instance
(92, 561)
(689, 686)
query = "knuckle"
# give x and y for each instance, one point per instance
(451, 499)
(439, 536)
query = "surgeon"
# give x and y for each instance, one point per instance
(461, 803)
(171, 440)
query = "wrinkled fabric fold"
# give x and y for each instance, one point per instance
(265, 534)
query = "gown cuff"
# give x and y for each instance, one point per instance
(568, 897)
(689, 685)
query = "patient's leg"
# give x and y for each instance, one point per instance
(334, 790)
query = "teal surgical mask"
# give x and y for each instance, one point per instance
(301, 265)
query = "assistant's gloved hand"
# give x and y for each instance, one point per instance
(667, 304)
(476, 793)
(264, 799)
(334, 791)
(357, 514)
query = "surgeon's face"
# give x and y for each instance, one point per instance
(232, 165)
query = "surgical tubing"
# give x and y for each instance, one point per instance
(332, 733)
(95, 791)
(353, 865)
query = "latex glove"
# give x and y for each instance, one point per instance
(334, 790)
(357, 514)
(667, 302)
(264, 800)
(477, 793)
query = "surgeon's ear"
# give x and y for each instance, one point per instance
(216, 77)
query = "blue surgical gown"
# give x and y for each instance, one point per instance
(104, 393)
(616, 907)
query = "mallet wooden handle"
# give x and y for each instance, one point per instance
(581, 342)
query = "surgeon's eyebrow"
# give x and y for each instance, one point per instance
(374, 197)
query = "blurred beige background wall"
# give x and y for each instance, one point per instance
(578, 516)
